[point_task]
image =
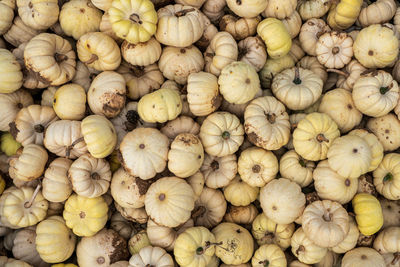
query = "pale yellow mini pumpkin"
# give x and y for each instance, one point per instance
(99, 135)
(79, 17)
(151, 256)
(70, 102)
(38, 14)
(376, 47)
(239, 193)
(313, 9)
(386, 177)
(386, 129)
(350, 241)
(222, 51)
(266, 123)
(8, 144)
(350, 156)
(141, 54)
(239, 27)
(219, 171)
(309, 35)
(29, 164)
(312, 63)
(131, 214)
(186, 155)
(314, 135)
(194, 247)
(210, 208)
(388, 240)
(377, 13)
(98, 51)
(106, 95)
(140, 80)
(51, 58)
(85, 216)
(186, 18)
(339, 105)
(282, 200)
(334, 49)
(297, 88)
(169, 201)
(56, 185)
(272, 67)
(24, 247)
(275, 36)
(247, 8)
(106, 26)
(270, 255)
(376, 93)
(257, 166)
(7, 15)
(144, 152)
(330, 185)
(362, 256)
(64, 138)
(241, 214)
(134, 21)
(19, 32)
(293, 24)
(22, 207)
(344, 13)
(252, 51)
(178, 63)
(55, 242)
(305, 250)
(221, 134)
(10, 71)
(237, 244)
(182, 124)
(137, 242)
(11, 104)
(295, 168)
(266, 231)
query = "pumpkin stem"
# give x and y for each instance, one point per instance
(214, 165)
(183, 12)
(225, 135)
(28, 204)
(384, 90)
(138, 71)
(338, 72)
(256, 168)
(271, 118)
(132, 119)
(321, 138)
(135, 18)
(39, 128)
(327, 217)
(300, 249)
(396, 258)
(264, 263)
(297, 79)
(95, 176)
(69, 148)
(302, 163)
(60, 58)
(198, 212)
(92, 59)
(388, 177)
(335, 50)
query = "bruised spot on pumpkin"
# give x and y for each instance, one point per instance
(120, 246)
(82, 10)
(113, 103)
(30, 5)
(370, 53)
(13, 129)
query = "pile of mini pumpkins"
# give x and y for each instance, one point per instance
(199, 133)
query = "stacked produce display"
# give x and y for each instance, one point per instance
(199, 133)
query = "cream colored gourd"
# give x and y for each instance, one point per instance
(390, 211)
(186, 155)
(386, 128)
(339, 105)
(38, 14)
(247, 8)
(64, 138)
(377, 13)
(7, 16)
(305, 250)
(24, 247)
(280, 10)
(210, 208)
(376, 47)
(202, 93)
(239, 27)
(29, 164)
(270, 255)
(309, 35)
(48, 96)
(56, 185)
(85, 216)
(19, 32)
(257, 166)
(83, 76)
(134, 21)
(237, 242)
(12, 103)
(55, 242)
(51, 58)
(266, 123)
(196, 181)
(386, 177)
(182, 124)
(144, 147)
(141, 54)
(106, 95)
(90, 177)
(293, 24)
(22, 207)
(221, 134)
(253, 52)
(193, 247)
(330, 185)
(239, 82)
(79, 17)
(10, 71)
(265, 231)
(178, 63)
(376, 93)
(334, 50)
(275, 36)
(350, 241)
(350, 156)
(282, 200)
(361, 256)
(186, 18)
(313, 9)
(241, 214)
(222, 51)
(297, 88)
(314, 135)
(149, 255)
(239, 193)
(295, 168)
(98, 51)
(30, 123)
(70, 102)
(312, 63)
(388, 240)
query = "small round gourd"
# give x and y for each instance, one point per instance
(69, 102)
(334, 50)
(10, 71)
(38, 14)
(56, 185)
(252, 51)
(239, 27)
(295, 168)
(368, 213)
(305, 250)
(151, 256)
(12, 103)
(9, 145)
(99, 135)
(219, 171)
(280, 9)
(24, 247)
(247, 8)
(210, 208)
(141, 54)
(343, 14)
(377, 12)
(239, 193)
(362, 256)
(386, 128)
(313, 9)
(309, 35)
(386, 177)
(270, 255)
(275, 36)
